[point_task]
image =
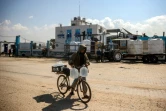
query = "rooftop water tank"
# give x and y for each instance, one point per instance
(84, 19)
(74, 46)
(77, 45)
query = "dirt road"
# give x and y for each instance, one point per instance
(27, 84)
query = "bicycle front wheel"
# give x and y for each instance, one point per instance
(84, 91)
(62, 84)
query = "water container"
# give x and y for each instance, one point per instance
(88, 44)
(83, 72)
(135, 46)
(58, 67)
(73, 45)
(60, 63)
(77, 45)
(155, 46)
(74, 73)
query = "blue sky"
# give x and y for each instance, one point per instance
(61, 11)
(48, 12)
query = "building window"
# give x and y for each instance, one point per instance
(77, 35)
(89, 33)
(68, 36)
(61, 36)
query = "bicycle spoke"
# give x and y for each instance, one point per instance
(84, 91)
(62, 84)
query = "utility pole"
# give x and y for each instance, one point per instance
(79, 8)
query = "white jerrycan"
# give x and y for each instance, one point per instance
(74, 73)
(83, 72)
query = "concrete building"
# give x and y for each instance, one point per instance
(66, 34)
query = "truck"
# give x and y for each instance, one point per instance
(122, 46)
(146, 49)
(110, 52)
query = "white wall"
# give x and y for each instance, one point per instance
(61, 41)
(2, 46)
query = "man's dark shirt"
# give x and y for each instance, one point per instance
(82, 59)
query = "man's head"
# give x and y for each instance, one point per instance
(82, 49)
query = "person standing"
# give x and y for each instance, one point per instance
(99, 55)
(9, 52)
(13, 52)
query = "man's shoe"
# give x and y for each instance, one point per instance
(85, 97)
(69, 87)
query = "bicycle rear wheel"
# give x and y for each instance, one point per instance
(62, 84)
(84, 91)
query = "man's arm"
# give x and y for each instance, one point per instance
(71, 60)
(87, 62)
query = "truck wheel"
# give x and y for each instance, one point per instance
(153, 59)
(117, 56)
(145, 59)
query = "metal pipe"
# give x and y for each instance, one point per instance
(163, 34)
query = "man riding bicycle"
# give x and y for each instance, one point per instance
(77, 60)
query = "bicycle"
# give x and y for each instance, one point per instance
(82, 87)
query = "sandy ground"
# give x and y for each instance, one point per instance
(27, 84)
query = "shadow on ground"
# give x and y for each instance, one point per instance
(138, 62)
(59, 102)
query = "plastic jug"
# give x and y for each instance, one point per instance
(59, 66)
(83, 72)
(74, 73)
(60, 63)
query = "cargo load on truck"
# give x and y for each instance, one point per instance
(150, 50)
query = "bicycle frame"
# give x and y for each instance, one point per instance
(81, 86)
(68, 79)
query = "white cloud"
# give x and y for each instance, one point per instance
(7, 29)
(42, 34)
(30, 17)
(5, 25)
(6, 22)
(19, 27)
(36, 33)
(46, 32)
(157, 19)
(150, 26)
(45, 27)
